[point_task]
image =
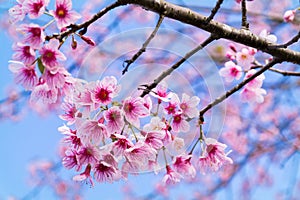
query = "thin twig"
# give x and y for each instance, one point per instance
(74, 27)
(284, 73)
(214, 11)
(290, 42)
(236, 88)
(245, 24)
(166, 73)
(143, 49)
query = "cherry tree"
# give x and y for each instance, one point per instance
(202, 95)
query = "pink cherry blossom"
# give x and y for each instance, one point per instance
(214, 156)
(17, 12)
(63, 14)
(86, 175)
(92, 131)
(182, 164)
(179, 124)
(34, 35)
(44, 94)
(255, 83)
(121, 144)
(70, 113)
(103, 91)
(105, 172)
(23, 53)
(289, 15)
(253, 95)
(140, 154)
(188, 105)
(50, 55)
(172, 177)
(134, 109)
(70, 160)
(24, 75)
(88, 155)
(231, 71)
(154, 139)
(35, 8)
(172, 105)
(70, 136)
(161, 92)
(244, 58)
(55, 78)
(115, 120)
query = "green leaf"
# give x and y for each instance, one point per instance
(40, 65)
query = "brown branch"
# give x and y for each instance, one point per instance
(245, 24)
(214, 10)
(290, 42)
(166, 73)
(143, 49)
(236, 88)
(74, 27)
(241, 36)
(283, 72)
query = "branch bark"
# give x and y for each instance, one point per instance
(242, 36)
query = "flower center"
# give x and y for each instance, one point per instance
(177, 118)
(103, 95)
(61, 12)
(37, 7)
(36, 32)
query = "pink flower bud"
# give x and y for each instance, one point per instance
(289, 15)
(88, 40)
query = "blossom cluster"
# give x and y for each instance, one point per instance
(243, 61)
(110, 139)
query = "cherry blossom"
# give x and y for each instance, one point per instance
(50, 55)
(23, 53)
(182, 164)
(171, 177)
(86, 175)
(231, 71)
(255, 83)
(253, 95)
(70, 113)
(269, 37)
(161, 92)
(105, 172)
(35, 8)
(244, 58)
(34, 35)
(63, 14)
(179, 123)
(44, 94)
(24, 75)
(114, 118)
(70, 160)
(17, 12)
(188, 105)
(289, 15)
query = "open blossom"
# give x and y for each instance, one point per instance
(70, 160)
(253, 95)
(34, 35)
(88, 154)
(114, 119)
(23, 53)
(70, 136)
(43, 93)
(86, 175)
(63, 14)
(155, 124)
(17, 12)
(70, 113)
(172, 104)
(50, 55)
(103, 91)
(121, 144)
(92, 131)
(134, 109)
(269, 37)
(161, 92)
(24, 75)
(188, 105)
(105, 172)
(35, 8)
(171, 177)
(255, 83)
(244, 58)
(214, 156)
(179, 123)
(231, 71)
(182, 164)
(154, 139)
(55, 78)
(289, 15)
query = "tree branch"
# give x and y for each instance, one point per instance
(74, 27)
(214, 10)
(236, 88)
(166, 73)
(242, 36)
(292, 41)
(245, 24)
(146, 43)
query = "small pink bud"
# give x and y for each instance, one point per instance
(289, 15)
(88, 40)
(63, 29)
